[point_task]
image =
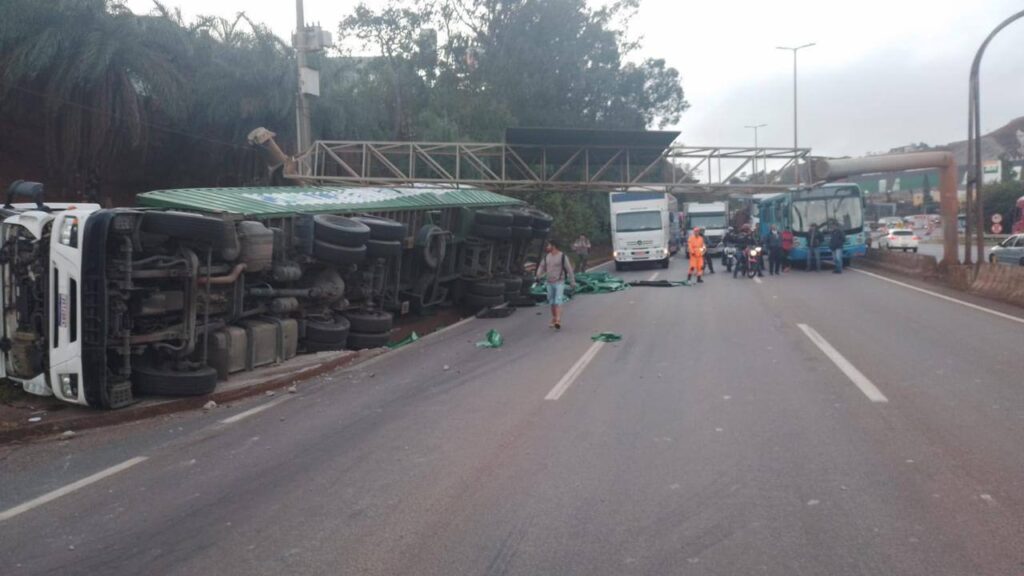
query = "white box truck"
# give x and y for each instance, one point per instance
(713, 219)
(644, 226)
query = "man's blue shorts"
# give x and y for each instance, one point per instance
(556, 293)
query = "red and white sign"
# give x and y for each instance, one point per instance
(997, 228)
(997, 218)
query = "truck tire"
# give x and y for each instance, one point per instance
(541, 220)
(541, 234)
(334, 254)
(491, 232)
(430, 239)
(370, 321)
(513, 284)
(186, 226)
(383, 248)
(476, 301)
(493, 217)
(339, 230)
(149, 380)
(520, 217)
(328, 332)
(522, 232)
(360, 341)
(487, 288)
(383, 228)
(312, 346)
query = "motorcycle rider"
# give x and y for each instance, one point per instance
(743, 241)
(729, 243)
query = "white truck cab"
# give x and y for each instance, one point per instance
(40, 287)
(642, 227)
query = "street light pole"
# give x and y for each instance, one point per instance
(755, 127)
(302, 116)
(796, 161)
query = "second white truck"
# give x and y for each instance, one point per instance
(644, 227)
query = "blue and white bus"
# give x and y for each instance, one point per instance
(841, 204)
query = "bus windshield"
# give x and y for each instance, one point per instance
(638, 221)
(825, 207)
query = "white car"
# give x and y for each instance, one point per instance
(899, 240)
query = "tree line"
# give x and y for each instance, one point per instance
(93, 95)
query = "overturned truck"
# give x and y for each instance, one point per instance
(101, 305)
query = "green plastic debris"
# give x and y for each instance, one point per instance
(492, 340)
(587, 283)
(606, 337)
(407, 340)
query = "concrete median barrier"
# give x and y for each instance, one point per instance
(918, 265)
(1000, 282)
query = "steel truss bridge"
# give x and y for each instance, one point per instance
(554, 160)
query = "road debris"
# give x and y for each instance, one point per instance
(35, 419)
(67, 434)
(209, 405)
(492, 340)
(405, 341)
(606, 337)
(269, 392)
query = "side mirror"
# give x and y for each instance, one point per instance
(31, 190)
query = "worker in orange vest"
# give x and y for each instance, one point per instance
(696, 249)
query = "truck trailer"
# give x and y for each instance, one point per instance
(102, 305)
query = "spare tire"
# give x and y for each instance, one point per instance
(431, 240)
(360, 341)
(328, 332)
(493, 217)
(185, 226)
(490, 232)
(383, 248)
(513, 284)
(370, 321)
(339, 230)
(520, 217)
(487, 288)
(541, 233)
(334, 254)
(383, 228)
(150, 380)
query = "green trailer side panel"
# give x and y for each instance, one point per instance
(283, 201)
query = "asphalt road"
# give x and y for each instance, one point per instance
(719, 437)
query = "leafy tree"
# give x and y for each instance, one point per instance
(1001, 199)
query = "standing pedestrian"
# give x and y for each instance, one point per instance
(835, 243)
(787, 247)
(813, 242)
(582, 249)
(556, 269)
(695, 248)
(773, 242)
(709, 263)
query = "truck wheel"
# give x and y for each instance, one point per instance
(369, 321)
(328, 332)
(431, 240)
(664, 263)
(476, 301)
(383, 248)
(541, 220)
(541, 234)
(487, 288)
(383, 228)
(312, 347)
(493, 217)
(492, 232)
(339, 230)
(149, 380)
(619, 266)
(520, 217)
(513, 284)
(334, 254)
(185, 226)
(360, 341)
(522, 232)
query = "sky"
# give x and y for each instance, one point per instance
(883, 73)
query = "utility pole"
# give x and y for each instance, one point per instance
(302, 119)
(796, 161)
(755, 127)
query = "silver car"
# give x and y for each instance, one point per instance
(1009, 251)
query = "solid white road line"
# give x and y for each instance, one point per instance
(50, 496)
(862, 382)
(574, 372)
(252, 411)
(943, 297)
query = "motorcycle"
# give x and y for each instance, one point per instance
(753, 261)
(729, 258)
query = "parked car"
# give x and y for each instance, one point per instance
(899, 240)
(1009, 251)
